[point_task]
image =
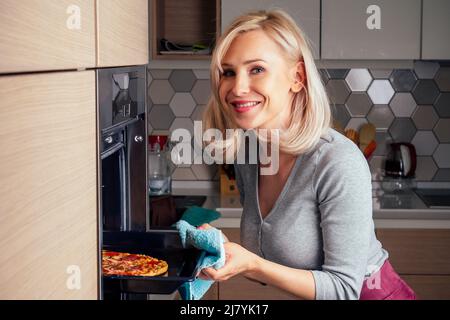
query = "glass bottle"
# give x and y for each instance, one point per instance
(159, 170)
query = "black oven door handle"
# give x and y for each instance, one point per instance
(112, 150)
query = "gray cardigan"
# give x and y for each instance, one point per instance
(322, 220)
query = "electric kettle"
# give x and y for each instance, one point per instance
(401, 160)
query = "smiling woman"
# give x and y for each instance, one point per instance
(256, 82)
(256, 71)
(306, 229)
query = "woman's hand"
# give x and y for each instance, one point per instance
(238, 261)
(207, 226)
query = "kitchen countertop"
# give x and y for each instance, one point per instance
(390, 210)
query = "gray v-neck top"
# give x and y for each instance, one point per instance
(322, 219)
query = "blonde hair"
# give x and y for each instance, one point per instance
(310, 115)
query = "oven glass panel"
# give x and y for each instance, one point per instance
(112, 191)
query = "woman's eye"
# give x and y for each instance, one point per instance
(258, 70)
(227, 73)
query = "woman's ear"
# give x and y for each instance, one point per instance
(299, 81)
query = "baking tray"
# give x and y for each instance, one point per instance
(162, 244)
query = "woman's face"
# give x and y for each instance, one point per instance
(257, 85)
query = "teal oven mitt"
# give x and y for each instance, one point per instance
(197, 216)
(210, 240)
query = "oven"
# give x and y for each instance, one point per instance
(121, 96)
(124, 223)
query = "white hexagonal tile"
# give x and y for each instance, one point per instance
(442, 156)
(161, 92)
(380, 91)
(425, 143)
(182, 104)
(403, 104)
(358, 79)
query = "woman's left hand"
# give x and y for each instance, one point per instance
(238, 261)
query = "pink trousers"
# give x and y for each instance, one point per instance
(386, 284)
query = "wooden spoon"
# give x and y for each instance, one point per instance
(366, 135)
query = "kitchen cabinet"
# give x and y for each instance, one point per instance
(240, 288)
(46, 35)
(421, 257)
(187, 22)
(122, 32)
(371, 29)
(305, 12)
(436, 30)
(212, 293)
(48, 193)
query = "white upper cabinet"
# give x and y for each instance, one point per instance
(371, 29)
(436, 30)
(40, 35)
(305, 12)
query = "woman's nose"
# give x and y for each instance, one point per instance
(241, 85)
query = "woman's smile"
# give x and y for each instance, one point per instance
(242, 106)
(255, 82)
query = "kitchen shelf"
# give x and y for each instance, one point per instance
(186, 22)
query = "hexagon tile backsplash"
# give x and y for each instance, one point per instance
(405, 105)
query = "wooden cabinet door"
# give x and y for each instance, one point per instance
(38, 35)
(371, 29)
(305, 12)
(212, 293)
(429, 287)
(122, 32)
(48, 194)
(436, 30)
(417, 251)
(241, 288)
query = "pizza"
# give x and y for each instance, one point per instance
(129, 264)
